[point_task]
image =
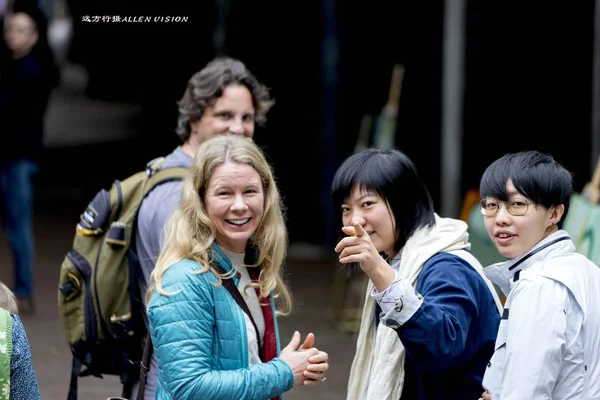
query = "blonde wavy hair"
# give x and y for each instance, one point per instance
(190, 232)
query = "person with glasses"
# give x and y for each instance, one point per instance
(548, 343)
(430, 316)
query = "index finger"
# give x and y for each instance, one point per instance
(358, 229)
(349, 230)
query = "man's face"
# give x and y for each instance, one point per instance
(20, 34)
(233, 112)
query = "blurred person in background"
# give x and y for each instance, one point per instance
(41, 15)
(25, 85)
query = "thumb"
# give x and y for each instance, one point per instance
(309, 342)
(358, 228)
(295, 342)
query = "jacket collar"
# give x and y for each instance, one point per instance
(219, 258)
(505, 273)
(250, 257)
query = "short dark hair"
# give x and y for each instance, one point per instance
(394, 177)
(207, 85)
(535, 175)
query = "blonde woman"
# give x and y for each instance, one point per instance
(229, 225)
(223, 97)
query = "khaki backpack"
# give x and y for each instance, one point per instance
(99, 300)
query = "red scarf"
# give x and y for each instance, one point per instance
(269, 350)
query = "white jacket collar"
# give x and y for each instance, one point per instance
(502, 273)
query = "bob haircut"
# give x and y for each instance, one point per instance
(535, 175)
(394, 177)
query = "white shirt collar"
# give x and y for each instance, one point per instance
(502, 273)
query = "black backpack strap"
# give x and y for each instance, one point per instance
(145, 366)
(237, 296)
(75, 369)
(156, 177)
(127, 389)
(127, 378)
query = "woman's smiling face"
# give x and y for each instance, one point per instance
(234, 201)
(373, 213)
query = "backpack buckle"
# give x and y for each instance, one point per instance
(121, 325)
(71, 288)
(116, 235)
(153, 165)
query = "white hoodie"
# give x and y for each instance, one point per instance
(548, 344)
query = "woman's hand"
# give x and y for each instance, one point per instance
(357, 247)
(315, 371)
(297, 360)
(486, 396)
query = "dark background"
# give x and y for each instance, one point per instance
(528, 85)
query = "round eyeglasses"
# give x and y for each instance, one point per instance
(515, 207)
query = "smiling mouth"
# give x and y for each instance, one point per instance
(504, 235)
(237, 222)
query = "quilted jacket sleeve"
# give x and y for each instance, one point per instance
(182, 327)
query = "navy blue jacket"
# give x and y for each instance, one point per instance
(23, 100)
(450, 339)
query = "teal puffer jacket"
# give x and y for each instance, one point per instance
(199, 337)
